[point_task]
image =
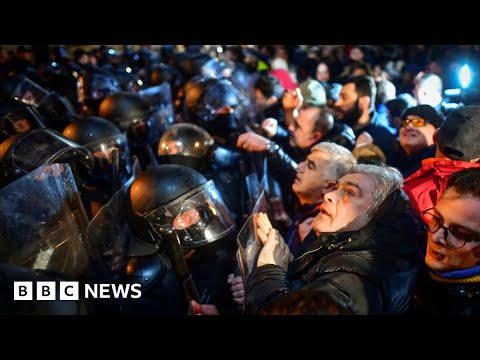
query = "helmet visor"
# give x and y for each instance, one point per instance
(220, 95)
(198, 217)
(149, 130)
(41, 146)
(96, 87)
(18, 122)
(29, 92)
(102, 151)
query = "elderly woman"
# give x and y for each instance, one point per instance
(361, 249)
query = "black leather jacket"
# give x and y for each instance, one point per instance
(442, 298)
(372, 269)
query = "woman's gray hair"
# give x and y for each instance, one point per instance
(339, 155)
(386, 179)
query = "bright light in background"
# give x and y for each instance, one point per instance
(465, 76)
(219, 49)
(128, 69)
(452, 92)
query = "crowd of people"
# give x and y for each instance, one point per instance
(242, 179)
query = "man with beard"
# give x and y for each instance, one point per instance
(356, 108)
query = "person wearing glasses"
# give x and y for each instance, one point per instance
(457, 147)
(450, 282)
(416, 138)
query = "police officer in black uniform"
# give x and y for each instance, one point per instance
(163, 231)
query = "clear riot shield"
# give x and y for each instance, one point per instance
(160, 98)
(43, 222)
(254, 189)
(111, 241)
(249, 245)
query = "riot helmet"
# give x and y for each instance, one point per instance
(167, 73)
(59, 54)
(56, 108)
(101, 137)
(191, 62)
(63, 78)
(143, 123)
(205, 95)
(17, 117)
(175, 200)
(218, 68)
(186, 144)
(8, 86)
(214, 104)
(23, 153)
(94, 86)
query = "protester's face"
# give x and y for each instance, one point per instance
(84, 59)
(105, 153)
(463, 215)
(301, 129)
(347, 108)
(22, 125)
(315, 176)
(414, 139)
(323, 74)
(356, 54)
(345, 208)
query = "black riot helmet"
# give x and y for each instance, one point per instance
(214, 104)
(191, 62)
(100, 137)
(91, 129)
(218, 68)
(8, 86)
(58, 111)
(56, 108)
(177, 200)
(205, 95)
(94, 86)
(23, 153)
(169, 74)
(17, 117)
(186, 144)
(166, 73)
(63, 79)
(141, 121)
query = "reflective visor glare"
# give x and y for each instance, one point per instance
(198, 217)
(45, 147)
(30, 93)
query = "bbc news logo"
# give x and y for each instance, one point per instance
(69, 290)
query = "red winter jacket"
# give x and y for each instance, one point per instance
(425, 186)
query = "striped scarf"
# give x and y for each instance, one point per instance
(471, 275)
